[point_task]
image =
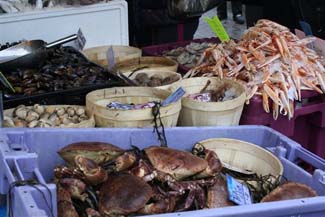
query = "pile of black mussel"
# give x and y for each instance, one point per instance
(65, 68)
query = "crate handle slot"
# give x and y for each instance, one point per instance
(310, 158)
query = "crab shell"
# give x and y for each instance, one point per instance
(217, 195)
(97, 151)
(289, 191)
(123, 194)
(179, 164)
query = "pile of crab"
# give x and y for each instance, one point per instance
(101, 179)
(270, 61)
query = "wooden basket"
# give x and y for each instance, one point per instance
(162, 73)
(197, 113)
(158, 63)
(121, 53)
(83, 124)
(245, 156)
(97, 101)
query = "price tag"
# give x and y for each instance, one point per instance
(174, 97)
(238, 192)
(81, 40)
(217, 27)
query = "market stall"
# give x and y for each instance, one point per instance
(94, 127)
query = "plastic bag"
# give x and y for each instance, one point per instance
(189, 8)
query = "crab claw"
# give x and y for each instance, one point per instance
(75, 187)
(92, 213)
(214, 164)
(122, 162)
(162, 206)
(94, 174)
(65, 205)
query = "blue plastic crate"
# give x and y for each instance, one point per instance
(31, 153)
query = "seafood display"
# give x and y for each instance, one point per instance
(104, 180)
(44, 116)
(271, 61)
(64, 69)
(143, 79)
(188, 55)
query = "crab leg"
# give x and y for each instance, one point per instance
(264, 44)
(286, 104)
(275, 110)
(311, 85)
(258, 55)
(265, 102)
(252, 92)
(266, 75)
(268, 61)
(320, 81)
(272, 94)
(279, 46)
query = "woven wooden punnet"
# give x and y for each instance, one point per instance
(197, 113)
(161, 63)
(245, 156)
(121, 53)
(97, 101)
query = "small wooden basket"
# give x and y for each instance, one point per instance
(96, 103)
(245, 155)
(121, 53)
(197, 113)
(158, 63)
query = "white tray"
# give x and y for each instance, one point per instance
(101, 24)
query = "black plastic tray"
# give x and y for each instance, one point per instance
(76, 96)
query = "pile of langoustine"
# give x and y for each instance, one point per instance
(103, 180)
(270, 61)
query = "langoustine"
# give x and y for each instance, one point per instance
(271, 61)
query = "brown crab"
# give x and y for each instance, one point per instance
(97, 151)
(120, 188)
(289, 191)
(174, 166)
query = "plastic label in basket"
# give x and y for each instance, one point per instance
(174, 97)
(110, 58)
(238, 192)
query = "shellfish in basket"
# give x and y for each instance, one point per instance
(271, 62)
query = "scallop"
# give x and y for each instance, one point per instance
(45, 116)
(80, 111)
(8, 122)
(31, 116)
(60, 111)
(20, 112)
(71, 111)
(39, 109)
(32, 124)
